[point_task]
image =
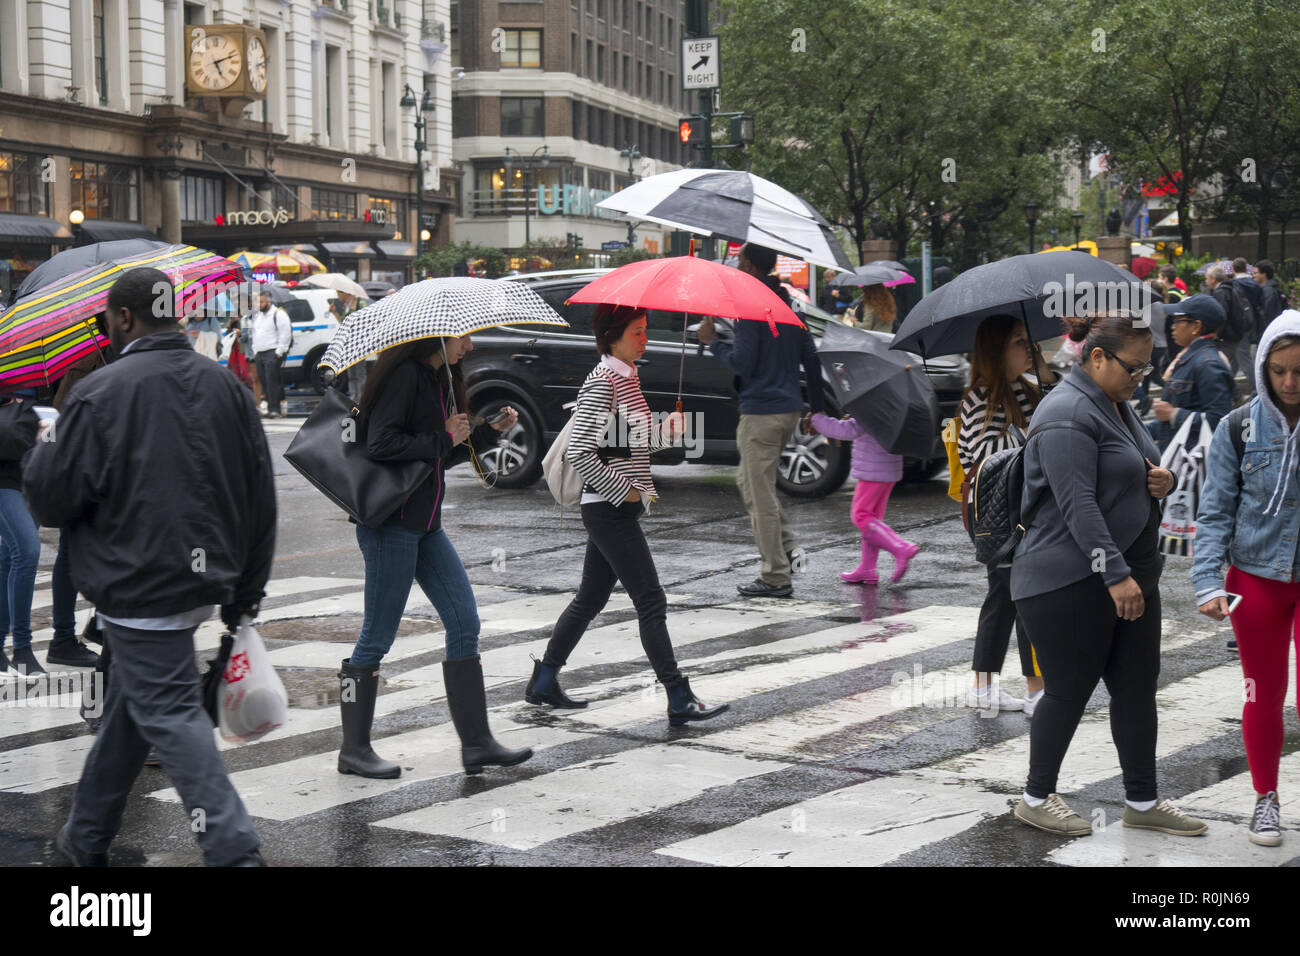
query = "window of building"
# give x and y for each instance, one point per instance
(575, 67)
(455, 44)
(489, 190)
(22, 189)
(523, 49)
(202, 197)
(106, 190)
(522, 116)
(329, 93)
(575, 119)
(627, 14)
(387, 212)
(591, 60)
(600, 66)
(333, 204)
(101, 64)
(627, 73)
(601, 12)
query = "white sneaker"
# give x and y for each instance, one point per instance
(1032, 701)
(983, 699)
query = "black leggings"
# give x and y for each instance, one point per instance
(617, 551)
(1079, 640)
(994, 633)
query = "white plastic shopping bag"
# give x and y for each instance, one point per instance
(1185, 457)
(253, 701)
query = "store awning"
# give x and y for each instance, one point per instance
(106, 230)
(33, 229)
(349, 250)
(394, 249)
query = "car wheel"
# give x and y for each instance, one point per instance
(914, 470)
(812, 466)
(517, 459)
(311, 374)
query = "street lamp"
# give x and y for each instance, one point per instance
(1031, 217)
(631, 154)
(421, 124)
(1077, 218)
(527, 163)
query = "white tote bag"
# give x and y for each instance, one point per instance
(561, 477)
(253, 701)
(1185, 457)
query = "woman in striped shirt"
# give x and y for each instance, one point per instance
(610, 446)
(995, 416)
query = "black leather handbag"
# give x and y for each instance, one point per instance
(18, 427)
(328, 452)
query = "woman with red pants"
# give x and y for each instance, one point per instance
(1248, 516)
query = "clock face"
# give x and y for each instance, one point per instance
(215, 60)
(257, 64)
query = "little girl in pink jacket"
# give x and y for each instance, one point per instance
(876, 471)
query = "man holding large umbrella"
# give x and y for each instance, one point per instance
(766, 360)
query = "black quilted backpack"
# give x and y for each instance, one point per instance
(996, 525)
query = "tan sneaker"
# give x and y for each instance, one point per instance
(1053, 816)
(1166, 818)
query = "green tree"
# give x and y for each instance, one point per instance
(443, 260)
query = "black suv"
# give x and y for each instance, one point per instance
(538, 371)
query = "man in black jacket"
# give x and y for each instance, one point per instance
(160, 473)
(1271, 294)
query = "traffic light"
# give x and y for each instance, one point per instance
(692, 130)
(742, 129)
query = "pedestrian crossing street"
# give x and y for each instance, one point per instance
(848, 742)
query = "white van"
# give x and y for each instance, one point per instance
(313, 329)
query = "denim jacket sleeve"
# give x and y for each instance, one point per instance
(1216, 514)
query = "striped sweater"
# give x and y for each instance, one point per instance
(613, 383)
(974, 441)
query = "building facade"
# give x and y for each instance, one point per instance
(113, 124)
(554, 95)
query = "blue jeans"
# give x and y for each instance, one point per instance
(20, 550)
(64, 594)
(394, 558)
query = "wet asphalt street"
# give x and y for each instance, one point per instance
(848, 741)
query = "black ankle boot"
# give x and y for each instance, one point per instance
(544, 688)
(467, 700)
(358, 689)
(6, 667)
(25, 662)
(683, 705)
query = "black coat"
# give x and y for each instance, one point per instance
(18, 427)
(161, 476)
(408, 423)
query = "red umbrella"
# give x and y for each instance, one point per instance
(1142, 266)
(687, 284)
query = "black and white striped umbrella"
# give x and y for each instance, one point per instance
(732, 205)
(447, 306)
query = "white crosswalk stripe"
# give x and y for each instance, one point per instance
(805, 690)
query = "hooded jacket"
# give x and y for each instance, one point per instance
(1199, 380)
(1249, 513)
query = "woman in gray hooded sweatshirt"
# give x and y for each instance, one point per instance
(1248, 517)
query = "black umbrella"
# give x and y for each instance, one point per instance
(873, 273)
(888, 392)
(377, 288)
(74, 260)
(1041, 288)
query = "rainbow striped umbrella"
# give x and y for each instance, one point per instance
(51, 328)
(284, 262)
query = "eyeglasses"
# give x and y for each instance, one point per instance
(1134, 371)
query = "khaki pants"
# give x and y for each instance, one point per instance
(760, 439)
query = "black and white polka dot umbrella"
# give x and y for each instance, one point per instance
(449, 307)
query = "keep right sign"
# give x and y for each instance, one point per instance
(701, 63)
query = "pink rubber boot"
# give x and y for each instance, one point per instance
(864, 573)
(887, 539)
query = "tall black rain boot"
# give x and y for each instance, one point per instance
(358, 689)
(467, 699)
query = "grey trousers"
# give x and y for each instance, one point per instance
(153, 698)
(760, 439)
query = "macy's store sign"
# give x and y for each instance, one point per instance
(251, 217)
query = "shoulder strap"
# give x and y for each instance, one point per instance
(1236, 425)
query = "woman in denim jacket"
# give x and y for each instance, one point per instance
(1198, 380)
(1249, 517)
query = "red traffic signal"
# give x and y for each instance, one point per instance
(692, 130)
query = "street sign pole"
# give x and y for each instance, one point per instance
(925, 269)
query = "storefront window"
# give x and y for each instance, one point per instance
(489, 191)
(387, 212)
(106, 190)
(21, 188)
(202, 198)
(333, 204)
